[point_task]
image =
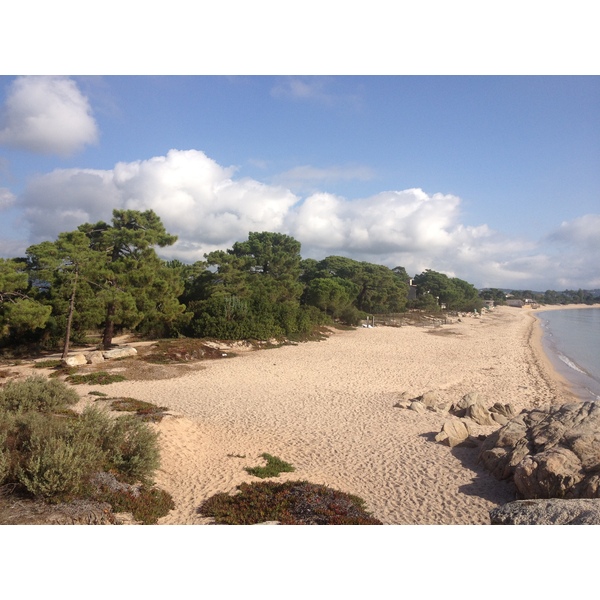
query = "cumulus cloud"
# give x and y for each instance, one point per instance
(196, 198)
(209, 207)
(47, 115)
(583, 231)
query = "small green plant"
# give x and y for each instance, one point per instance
(289, 503)
(273, 467)
(96, 378)
(96, 393)
(145, 410)
(47, 364)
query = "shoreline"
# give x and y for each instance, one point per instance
(562, 382)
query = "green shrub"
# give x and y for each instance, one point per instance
(96, 378)
(147, 506)
(273, 467)
(55, 468)
(132, 449)
(290, 503)
(47, 364)
(4, 458)
(37, 393)
(144, 410)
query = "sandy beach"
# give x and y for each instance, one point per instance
(328, 409)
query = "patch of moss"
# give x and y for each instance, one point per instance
(273, 467)
(96, 378)
(145, 410)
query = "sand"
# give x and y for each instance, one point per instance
(328, 409)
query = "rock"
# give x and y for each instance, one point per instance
(552, 452)
(123, 352)
(498, 418)
(453, 432)
(480, 414)
(554, 511)
(402, 404)
(506, 410)
(75, 360)
(429, 399)
(460, 408)
(417, 406)
(94, 357)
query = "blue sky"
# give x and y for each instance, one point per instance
(493, 179)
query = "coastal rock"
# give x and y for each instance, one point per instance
(429, 399)
(480, 414)
(123, 352)
(554, 511)
(506, 410)
(552, 452)
(460, 408)
(417, 406)
(454, 432)
(75, 360)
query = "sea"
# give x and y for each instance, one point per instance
(571, 339)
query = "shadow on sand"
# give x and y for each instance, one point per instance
(484, 484)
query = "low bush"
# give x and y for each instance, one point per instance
(148, 505)
(144, 410)
(52, 453)
(37, 394)
(96, 378)
(289, 503)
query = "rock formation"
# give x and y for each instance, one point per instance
(549, 453)
(554, 511)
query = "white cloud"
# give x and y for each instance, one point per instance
(313, 88)
(208, 208)
(7, 198)
(584, 231)
(47, 115)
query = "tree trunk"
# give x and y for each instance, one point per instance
(70, 317)
(109, 326)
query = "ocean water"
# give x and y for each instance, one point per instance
(571, 340)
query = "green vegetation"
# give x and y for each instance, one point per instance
(145, 410)
(47, 364)
(96, 378)
(290, 503)
(104, 278)
(49, 452)
(273, 467)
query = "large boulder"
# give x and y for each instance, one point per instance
(123, 352)
(453, 433)
(74, 360)
(549, 453)
(554, 511)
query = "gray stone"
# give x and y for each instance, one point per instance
(554, 511)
